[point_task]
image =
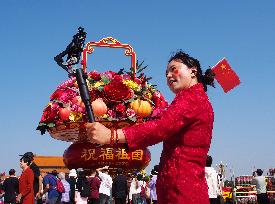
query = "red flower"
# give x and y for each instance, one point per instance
(159, 100)
(116, 91)
(120, 108)
(50, 113)
(94, 75)
(94, 93)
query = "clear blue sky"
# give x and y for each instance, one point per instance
(33, 32)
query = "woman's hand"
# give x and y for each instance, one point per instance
(98, 133)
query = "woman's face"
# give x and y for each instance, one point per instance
(22, 164)
(179, 76)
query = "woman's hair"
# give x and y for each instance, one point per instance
(206, 79)
(259, 172)
(26, 160)
(208, 161)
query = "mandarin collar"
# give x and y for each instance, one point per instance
(195, 87)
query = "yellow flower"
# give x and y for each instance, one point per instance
(98, 84)
(104, 116)
(132, 85)
(75, 117)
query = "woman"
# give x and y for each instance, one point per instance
(65, 197)
(185, 129)
(26, 193)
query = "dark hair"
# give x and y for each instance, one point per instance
(209, 161)
(259, 172)
(119, 171)
(206, 79)
(11, 172)
(26, 160)
(54, 172)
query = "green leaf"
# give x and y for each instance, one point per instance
(105, 79)
(51, 125)
(134, 119)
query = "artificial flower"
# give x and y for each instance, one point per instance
(132, 85)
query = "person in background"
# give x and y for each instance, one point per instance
(259, 181)
(72, 181)
(2, 178)
(65, 197)
(80, 181)
(49, 182)
(135, 189)
(152, 185)
(105, 186)
(11, 188)
(212, 181)
(120, 188)
(37, 183)
(95, 185)
(185, 128)
(26, 193)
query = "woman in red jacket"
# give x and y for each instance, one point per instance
(26, 193)
(185, 129)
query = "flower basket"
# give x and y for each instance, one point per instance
(119, 99)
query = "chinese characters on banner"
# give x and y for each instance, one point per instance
(104, 156)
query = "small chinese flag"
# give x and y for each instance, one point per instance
(225, 75)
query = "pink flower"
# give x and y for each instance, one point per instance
(68, 83)
(130, 112)
(111, 113)
(109, 74)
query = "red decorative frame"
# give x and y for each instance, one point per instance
(112, 43)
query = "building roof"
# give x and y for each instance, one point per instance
(50, 163)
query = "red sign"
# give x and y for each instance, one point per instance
(87, 155)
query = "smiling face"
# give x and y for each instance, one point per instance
(179, 76)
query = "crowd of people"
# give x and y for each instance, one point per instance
(95, 186)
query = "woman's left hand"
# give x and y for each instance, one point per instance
(98, 133)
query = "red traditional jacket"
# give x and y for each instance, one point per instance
(186, 131)
(26, 186)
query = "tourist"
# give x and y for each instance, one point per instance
(259, 181)
(119, 187)
(72, 181)
(37, 183)
(105, 186)
(50, 183)
(11, 188)
(212, 181)
(95, 185)
(65, 197)
(152, 185)
(185, 129)
(26, 193)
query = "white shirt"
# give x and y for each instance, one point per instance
(260, 184)
(106, 183)
(212, 182)
(135, 187)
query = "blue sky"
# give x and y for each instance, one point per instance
(33, 32)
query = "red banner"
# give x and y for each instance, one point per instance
(87, 155)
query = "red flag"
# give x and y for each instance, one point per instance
(225, 75)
